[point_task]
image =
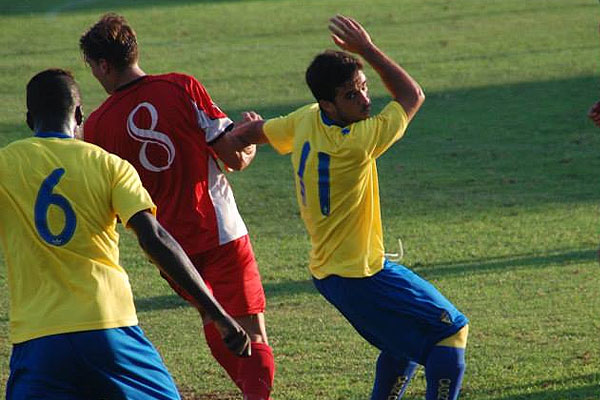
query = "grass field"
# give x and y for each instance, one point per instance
(494, 189)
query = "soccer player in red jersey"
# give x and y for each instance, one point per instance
(168, 127)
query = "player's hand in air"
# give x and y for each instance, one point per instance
(349, 35)
(594, 113)
(234, 336)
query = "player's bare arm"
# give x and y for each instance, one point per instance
(235, 158)
(170, 258)
(247, 133)
(350, 36)
(237, 154)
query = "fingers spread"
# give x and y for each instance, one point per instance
(336, 29)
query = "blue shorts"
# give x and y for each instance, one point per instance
(111, 364)
(395, 310)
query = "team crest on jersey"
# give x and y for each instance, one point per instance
(445, 318)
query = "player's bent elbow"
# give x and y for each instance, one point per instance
(419, 96)
(413, 104)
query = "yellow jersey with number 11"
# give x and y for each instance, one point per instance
(336, 184)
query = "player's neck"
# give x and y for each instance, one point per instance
(54, 126)
(332, 120)
(127, 76)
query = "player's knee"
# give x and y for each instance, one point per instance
(458, 340)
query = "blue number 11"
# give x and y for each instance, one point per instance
(324, 181)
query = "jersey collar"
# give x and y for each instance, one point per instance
(130, 84)
(329, 122)
(59, 135)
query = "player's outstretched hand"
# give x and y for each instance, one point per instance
(594, 113)
(234, 336)
(349, 35)
(249, 116)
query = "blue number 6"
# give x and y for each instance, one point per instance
(45, 198)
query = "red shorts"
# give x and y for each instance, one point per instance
(230, 271)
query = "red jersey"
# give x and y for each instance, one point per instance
(163, 124)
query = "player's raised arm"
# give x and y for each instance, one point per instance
(170, 258)
(349, 35)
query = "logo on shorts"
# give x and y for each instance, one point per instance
(400, 383)
(445, 318)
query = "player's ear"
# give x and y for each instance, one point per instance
(104, 65)
(29, 120)
(328, 107)
(78, 115)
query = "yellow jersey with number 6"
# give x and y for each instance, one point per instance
(336, 184)
(59, 202)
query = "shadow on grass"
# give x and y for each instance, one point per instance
(164, 302)
(469, 150)
(589, 389)
(520, 145)
(54, 7)
(272, 290)
(588, 392)
(291, 288)
(504, 264)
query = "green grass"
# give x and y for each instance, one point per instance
(493, 190)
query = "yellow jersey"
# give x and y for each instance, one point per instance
(336, 184)
(59, 202)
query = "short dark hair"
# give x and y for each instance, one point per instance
(112, 39)
(52, 93)
(330, 70)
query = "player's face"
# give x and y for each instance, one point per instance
(352, 102)
(99, 71)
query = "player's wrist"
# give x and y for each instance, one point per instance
(369, 51)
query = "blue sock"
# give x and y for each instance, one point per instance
(444, 372)
(391, 377)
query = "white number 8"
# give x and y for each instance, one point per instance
(150, 136)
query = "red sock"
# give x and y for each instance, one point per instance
(255, 374)
(221, 353)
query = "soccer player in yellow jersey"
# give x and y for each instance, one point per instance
(73, 323)
(334, 145)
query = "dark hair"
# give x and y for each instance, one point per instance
(52, 93)
(112, 39)
(330, 70)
